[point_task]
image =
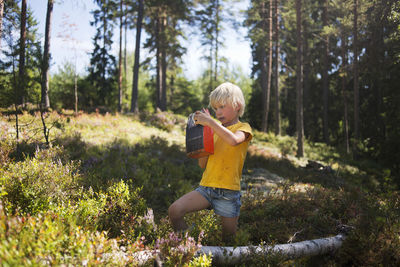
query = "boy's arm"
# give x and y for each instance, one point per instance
(203, 162)
(233, 139)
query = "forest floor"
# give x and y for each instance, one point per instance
(107, 156)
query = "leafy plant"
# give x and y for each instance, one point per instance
(177, 249)
(37, 183)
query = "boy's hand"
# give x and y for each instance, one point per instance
(202, 117)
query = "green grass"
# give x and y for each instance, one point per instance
(109, 179)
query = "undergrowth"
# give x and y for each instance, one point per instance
(99, 195)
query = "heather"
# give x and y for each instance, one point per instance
(98, 193)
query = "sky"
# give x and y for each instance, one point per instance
(80, 34)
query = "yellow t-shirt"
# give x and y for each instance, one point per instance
(224, 167)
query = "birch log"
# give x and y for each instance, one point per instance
(233, 255)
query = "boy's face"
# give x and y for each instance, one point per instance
(226, 114)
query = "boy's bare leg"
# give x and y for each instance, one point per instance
(229, 228)
(190, 202)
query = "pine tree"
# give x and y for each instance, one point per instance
(21, 76)
(102, 70)
(135, 90)
(1, 20)
(45, 101)
(299, 82)
(164, 28)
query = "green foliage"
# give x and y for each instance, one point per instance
(62, 87)
(37, 183)
(90, 182)
(48, 239)
(201, 261)
(186, 97)
(375, 240)
(207, 224)
(159, 169)
(163, 120)
(178, 249)
(121, 211)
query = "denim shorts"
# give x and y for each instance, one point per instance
(224, 202)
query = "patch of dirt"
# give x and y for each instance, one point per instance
(260, 180)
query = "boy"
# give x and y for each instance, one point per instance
(220, 184)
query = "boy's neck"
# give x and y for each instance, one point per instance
(231, 122)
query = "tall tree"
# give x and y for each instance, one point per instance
(299, 81)
(267, 27)
(1, 19)
(21, 81)
(344, 91)
(257, 22)
(121, 15)
(134, 100)
(325, 68)
(164, 28)
(355, 79)
(102, 70)
(210, 16)
(69, 29)
(45, 101)
(276, 69)
(161, 54)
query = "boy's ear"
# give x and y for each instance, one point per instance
(238, 107)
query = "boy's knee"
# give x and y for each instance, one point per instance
(175, 210)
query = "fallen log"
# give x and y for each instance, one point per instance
(233, 255)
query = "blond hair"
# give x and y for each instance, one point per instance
(228, 93)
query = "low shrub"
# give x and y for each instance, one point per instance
(155, 166)
(123, 212)
(376, 238)
(287, 215)
(178, 249)
(37, 183)
(163, 120)
(49, 240)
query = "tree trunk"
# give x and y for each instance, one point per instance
(325, 64)
(355, 80)
(46, 57)
(120, 58)
(306, 70)
(235, 255)
(161, 61)
(266, 69)
(163, 78)
(158, 63)
(125, 46)
(344, 93)
(1, 20)
(134, 101)
(217, 29)
(76, 91)
(21, 71)
(269, 70)
(299, 83)
(276, 70)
